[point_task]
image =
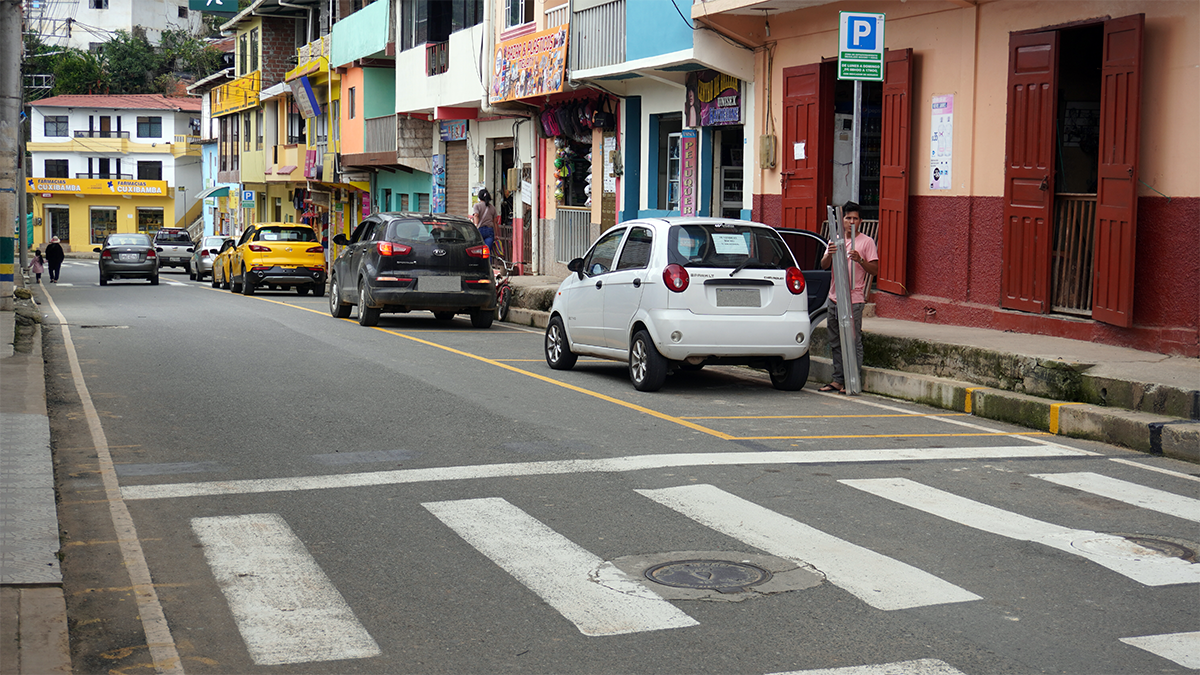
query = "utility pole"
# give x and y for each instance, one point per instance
(10, 141)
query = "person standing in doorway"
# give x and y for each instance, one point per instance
(484, 217)
(864, 262)
(54, 257)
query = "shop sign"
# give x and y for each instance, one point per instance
(532, 65)
(437, 199)
(860, 47)
(689, 172)
(306, 100)
(97, 186)
(221, 7)
(366, 204)
(240, 94)
(454, 130)
(713, 99)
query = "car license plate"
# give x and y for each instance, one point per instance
(127, 257)
(738, 297)
(440, 284)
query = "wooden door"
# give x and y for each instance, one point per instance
(1029, 171)
(1116, 197)
(458, 180)
(805, 176)
(894, 159)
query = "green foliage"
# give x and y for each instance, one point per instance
(79, 72)
(132, 62)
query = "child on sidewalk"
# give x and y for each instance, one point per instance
(37, 266)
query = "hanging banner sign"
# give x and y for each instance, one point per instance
(306, 100)
(437, 202)
(689, 172)
(712, 99)
(941, 145)
(860, 47)
(532, 65)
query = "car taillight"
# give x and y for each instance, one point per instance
(392, 248)
(676, 278)
(151, 254)
(107, 253)
(479, 252)
(316, 249)
(260, 248)
(795, 280)
(205, 252)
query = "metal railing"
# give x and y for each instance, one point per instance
(1072, 258)
(557, 16)
(87, 133)
(572, 233)
(437, 58)
(190, 140)
(379, 134)
(106, 176)
(598, 36)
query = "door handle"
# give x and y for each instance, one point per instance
(599, 284)
(1045, 183)
(637, 283)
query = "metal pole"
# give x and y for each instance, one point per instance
(856, 140)
(845, 308)
(10, 134)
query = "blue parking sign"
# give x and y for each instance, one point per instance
(861, 32)
(860, 46)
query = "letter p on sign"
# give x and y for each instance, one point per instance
(862, 32)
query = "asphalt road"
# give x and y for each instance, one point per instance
(248, 485)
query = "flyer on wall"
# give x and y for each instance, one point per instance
(942, 142)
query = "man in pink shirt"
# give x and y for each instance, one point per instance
(864, 262)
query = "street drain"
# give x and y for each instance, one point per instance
(722, 576)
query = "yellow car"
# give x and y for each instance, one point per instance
(278, 255)
(220, 264)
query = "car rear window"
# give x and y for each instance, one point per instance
(727, 245)
(172, 237)
(285, 234)
(129, 240)
(213, 242)
(433, 230)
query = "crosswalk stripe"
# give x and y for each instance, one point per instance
(1115, 553)
(1182, 648)
(1130, 493)
(285, 607)
(917, 667)
(558, 570)
(876, 579)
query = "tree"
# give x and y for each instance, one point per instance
(132, 62)
(79, 72)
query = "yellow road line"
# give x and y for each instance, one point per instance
(1054, 407)
(804, 417)
(794, 438)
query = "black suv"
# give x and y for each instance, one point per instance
(401, 262)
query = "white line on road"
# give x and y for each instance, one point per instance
(918, 667)
(1182, 648)
(558, 570)
(1116, 553)
(879, 581)
(1155, 469)
(286, 609)
(1130, 493)
(611, 465)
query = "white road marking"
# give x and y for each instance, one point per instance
(1130, 493)
(558, 570)
(879, 581)
(918, 667)
(1115, 553)
(611, 465)
(1182, 648)
(1155, 468)
(285, 607)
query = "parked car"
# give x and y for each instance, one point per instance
(665, 294)
(220, 264)
(278, 256)
(202, 257)
(174, 247)
(808, 248)
(404, 262)
(128, 256)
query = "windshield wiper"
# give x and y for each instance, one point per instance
(741, 267)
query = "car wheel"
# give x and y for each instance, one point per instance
(558, 351)
(502, 303)
(302, 290)
(247, 285)
(154, 280)
(191, 274)
(367, 316)
(482, 318)
(647, 368)
(791, 375)
(443, 316)
(337, 308)
(103, 280)
(318, 290)
(215, 283)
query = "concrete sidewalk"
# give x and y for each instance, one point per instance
(33, 613)
(1140, 400)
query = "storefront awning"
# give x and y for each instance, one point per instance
(220, 191)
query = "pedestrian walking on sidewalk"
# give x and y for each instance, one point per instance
(864, 262)
(484, 217)
(37, 266)
(55, 256)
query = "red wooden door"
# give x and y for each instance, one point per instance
(807, 145)
(1116, 198)
(1029, 171)
(894, 169)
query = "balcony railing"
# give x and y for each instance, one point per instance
(557, 16)
(87, 133)
(316, 48)
(598, 36)
(106, 176)
(189, 140)
(572, 233)
(437, 58)
(379, 134)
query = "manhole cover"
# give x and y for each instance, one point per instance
(719, 575)
(1167, 547)
(1139, 547)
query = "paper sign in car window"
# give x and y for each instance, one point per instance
(730, 244)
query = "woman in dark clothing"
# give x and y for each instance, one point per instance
(54, 258)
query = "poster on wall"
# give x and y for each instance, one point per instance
(532, 65)
(689, 172)
(453, 130)
(438, 196)
(941, 146)
(712, 99)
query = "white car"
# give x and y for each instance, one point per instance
(681, 293)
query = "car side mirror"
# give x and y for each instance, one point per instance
(341, 240)
(576, 266)
(96, 250)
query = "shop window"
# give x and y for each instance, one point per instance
(57, 168)
(149, 170)
(56, 126)
(149, 127)
(668, 155)
(573, 166)
(58, 220)
(102, 222)
(149, 220)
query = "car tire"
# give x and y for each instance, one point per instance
(791, 375)
(367, 316)
(302, 289)
(215, 283)
(337, 308)
(247, 285)
(154, 280)
(443, 316)
(103, 280)
(502, 303)
(558, 350)
(647, 368)
(318, 290)
(191, 274)
(482, 318)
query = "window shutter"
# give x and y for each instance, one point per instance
(1116, 198)
(807, 118)
(895, 154)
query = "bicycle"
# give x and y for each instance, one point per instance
(502, 269)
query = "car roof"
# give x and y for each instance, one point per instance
(668, 221)
(259, 226)
(422, 215)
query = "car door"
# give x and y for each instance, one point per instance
(585, 297)
(623, 286)
(239, 252)
(808, 249)
(351, 260)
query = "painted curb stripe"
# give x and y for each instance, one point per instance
(1054, 408)
(967, 404)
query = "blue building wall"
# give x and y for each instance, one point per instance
(654, 27)
(400, 183)
(379, 92)
(362, 34)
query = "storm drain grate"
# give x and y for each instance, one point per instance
(719, 575)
